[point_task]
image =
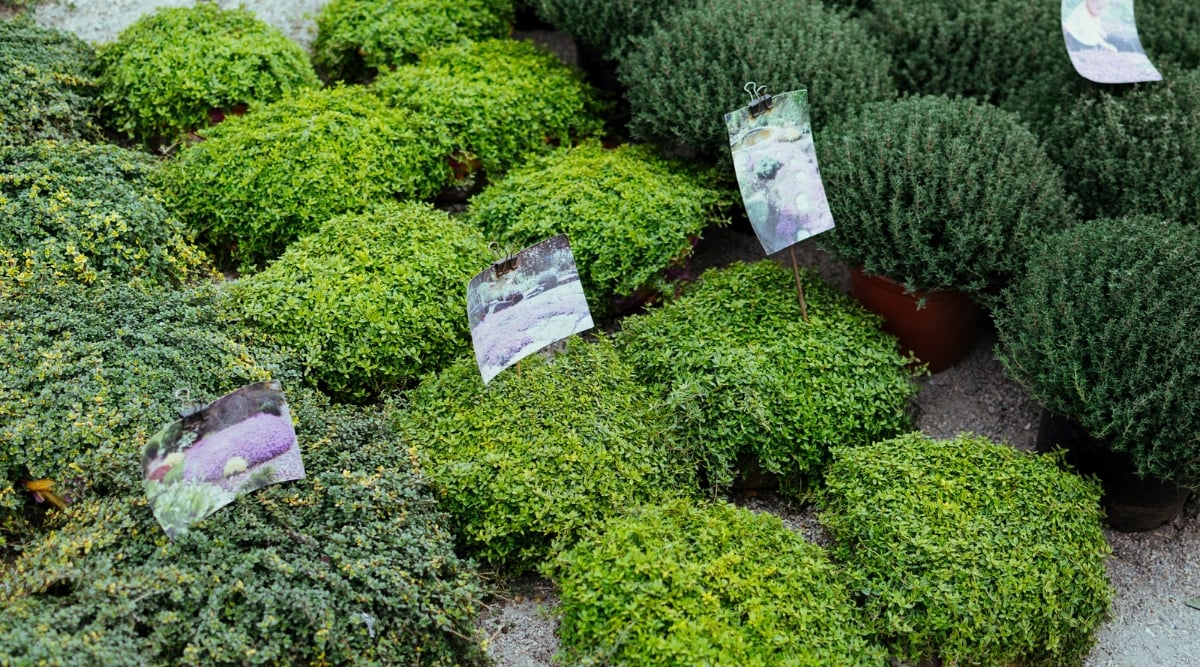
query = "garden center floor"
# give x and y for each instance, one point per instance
(1155, 573)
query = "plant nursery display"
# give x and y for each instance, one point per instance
(239, 443)
(712, 584)
(750, 384)
(631, 215)
(1102, 40)
(965, 551)
(527, 463)
(84, 211)
(776, 164)
(356, 39)
(685, 73)
(372, 300)
(500, 100)
(525, 302)
(179, 69)
(1103, 329)
(47, 84)
(312, 156)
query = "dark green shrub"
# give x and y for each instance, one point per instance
(939, 193)
(173, 70)
(970, 552)
(501, 99)
(1007, 52)
(528, 462)
(47, 84)
(1167, 29)
(609, 26)
(82, 210)
(684, 74)
(708, 585)
(267, 178)
(88, 373)
(373, 299)
(351, 565)
(748, 379)
(1105, 328)
(630, 214)
(356, 38)
(1137, 152)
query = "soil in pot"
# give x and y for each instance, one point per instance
(938, 333)
(1133, 503)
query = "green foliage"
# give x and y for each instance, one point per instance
(1105, 328)
(1007, 52)
(47, 84)
(82, 210)
(89, 373)
(165, 73)
(939, 193)
(1136, 152)
(1167, 29)
(501, 99)
(747, 378)
(357, 38)
(372, 300)
(351, 565)
(630, 214)
(526, 463)
(606, 26)
(271, 176)
(708, 585)
(964, 551)
(684, 74)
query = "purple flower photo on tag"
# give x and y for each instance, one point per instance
(240, 443)
(1102, 40)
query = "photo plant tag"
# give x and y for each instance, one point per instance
(1103, 43)
(525, 302)
(239, 443)
(776, 165)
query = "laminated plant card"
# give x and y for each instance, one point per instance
(1103, 43)
(525, 302)
(776, 165)
(239, 443)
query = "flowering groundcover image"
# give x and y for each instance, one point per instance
(776, 164)
(239, 443)
(536, 302)
(1103, 43)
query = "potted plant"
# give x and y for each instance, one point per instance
(932, 194)
(1103, 330)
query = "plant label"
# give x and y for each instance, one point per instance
(1103, 43)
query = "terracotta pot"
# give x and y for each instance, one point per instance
(938, 334)
(1133, 503)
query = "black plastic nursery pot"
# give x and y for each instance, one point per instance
(1133, 504)
(938, 333)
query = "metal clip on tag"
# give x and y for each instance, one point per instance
(184, 396)
(760, 101)
(505, 264)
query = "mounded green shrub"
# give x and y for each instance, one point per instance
(89, 373)
(1167, 29)
(82, 210)
(685, 74)
(749, 381)
(47, 84)
(357, 38)
(173, 70)
(1104, 328)
(372, 300)
(262, 180)
(609, 26)
(939, 193)
(352, 565)
(1007, 52)
(969, 552)
(500, 99)
(630, 214)
(1137, 152)
(707, 585)
(528, 462)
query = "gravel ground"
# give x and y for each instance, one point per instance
(1154, 573)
